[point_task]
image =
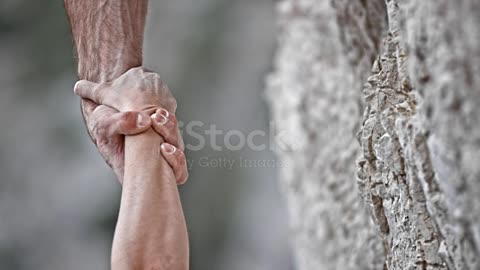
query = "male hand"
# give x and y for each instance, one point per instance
(136, 90)
(107, 128)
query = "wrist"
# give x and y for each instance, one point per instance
(142, 150)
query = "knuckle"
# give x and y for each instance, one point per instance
(182, 157)
(146, 69)
(128, 120)
(156, 81)
(184, 177)
(155, 76)
(98, 94)
(172, 104)
(98, 132)
(126, 117)
(181, 144)
(172, 117)
(135, 70)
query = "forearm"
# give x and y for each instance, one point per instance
(108, 41)
(149, 197)
(108, 36)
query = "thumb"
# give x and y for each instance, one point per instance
(128, 123)
(89, 90)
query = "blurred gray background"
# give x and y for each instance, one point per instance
(58, 199)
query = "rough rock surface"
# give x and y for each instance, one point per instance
(378, 104)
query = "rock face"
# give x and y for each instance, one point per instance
(378, 103)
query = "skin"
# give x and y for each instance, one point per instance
(151, 230)
(150, 94)
(108, 128)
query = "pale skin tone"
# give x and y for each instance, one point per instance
(151, 230)
(129, 99)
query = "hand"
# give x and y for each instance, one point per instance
(104, 122)
(136, 90)
(108, 128)
(165, 124)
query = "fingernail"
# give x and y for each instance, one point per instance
(164, 112)
(159, 118)
(75, 87)
(142, 121)
(168, 148)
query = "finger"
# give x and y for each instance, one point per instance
(165, 124)
(128, 123)
(90, 90)
(176, 159)
(87, 107)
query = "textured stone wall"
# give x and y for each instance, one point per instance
(380, 101)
